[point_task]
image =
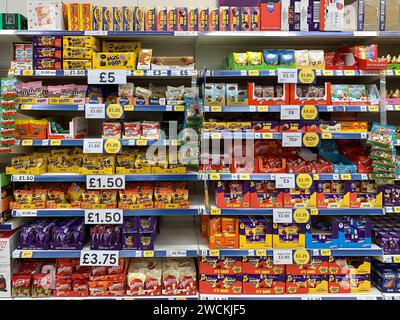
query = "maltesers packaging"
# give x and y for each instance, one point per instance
(151, 19)
(181, 19)
(45, 15)
(193, 19)
(161, 19)
(203, 19)
(171, 19)
(271, 15)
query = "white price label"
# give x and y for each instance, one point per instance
(99, 258)
(157, 73)
(95, 111)
(285, 181)
(287, 75)
(105, 182)
(22, 178)
(282, 215)
(96, 33)
(48, 73)
(106, 76)
(290, 112)
(283, 257)
(25, 213)
(176, 253)
(74, 73)
(292, 139)
(181, 73)
(104, 216)
(93, 146)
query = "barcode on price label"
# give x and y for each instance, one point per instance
(95, 111)
(106, 76)
(99, 258)
(93, 146)
(282, 215)
(104, 216)
(287, 75)
(105, 182)
(283, 257)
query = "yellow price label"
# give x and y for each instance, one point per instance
(304, 181)
(216, 135)
(112, 146)
(141, 142)
(396, 259)
(315, 176)
(262, 108)
(215, 211)
(213, 253)
(55, 142)
(27, 72)
(345, 176)
(268, 135)
(314, 212)
(129, 107)
(396, 209)
(310, 139)
(397, 72)
(179, 108)
(301, 256)
(309, 112)
(325, 252)
(349, 73)
(148, 254)
(244, 176)
(215, 176)
(26, 107)
(326, 135)
(254, 73)
(216, 108)
(26, 254)
(327, 72)
(301, 216)
(306, 75)
(397, 107)
(261, 253)
(180, 298)
(138, 73)
(174, 142)
(26, 143)
(114, 111)
(373, 108)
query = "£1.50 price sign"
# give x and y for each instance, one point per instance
(107, 182)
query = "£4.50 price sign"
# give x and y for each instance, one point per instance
(105, 182)
(106, 76)
(99, 258)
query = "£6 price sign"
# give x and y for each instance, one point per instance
(106, 76)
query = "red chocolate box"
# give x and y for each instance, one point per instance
(261, 265)
(220, 284)
(263, 284)
(220, 265)
(318, 265)
(233, 194)
(254, 100)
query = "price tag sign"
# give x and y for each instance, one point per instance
(287, 75)
(176, 254)
(283, 257)
(105, 182)
(74, 73)
(290, 112)
(291, 139)
(95, 111)
(104, 216)
(112, 146)
(99, 258)
(114, 111)
(23, 178)
(106, 76)
(26, 213)
(306, 76)
(310, 139)
(285, 181)
(92, 145)
(44, 73)
(282, 215)
(309, 112)
(301, 256)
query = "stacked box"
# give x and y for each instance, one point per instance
(78, 52)
(47, 53)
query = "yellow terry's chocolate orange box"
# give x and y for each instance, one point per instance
(115, 60)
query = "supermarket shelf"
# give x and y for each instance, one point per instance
(191, 297)
(273, 73)
(71, 177)
(278, 135)
(12, 224)
(316, 211)
(173, 241)
(80, 142)
(375, 294)
(81, 107)
(392, 107)
(389, 258)
(242, 109)
(192, 210)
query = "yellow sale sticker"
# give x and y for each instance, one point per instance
(112, 146)
(114, 111)
(304, 181)
(309, 112)
(301, 215)
(254, 73)
(214, 253)
(301, 256)
(325, 252)
(148, 254)
(55, 142)
(310, 139)
(261, 252)
(27, 143)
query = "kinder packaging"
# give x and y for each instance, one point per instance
(270, 12)
(45, 15)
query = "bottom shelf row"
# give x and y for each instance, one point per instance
(204, 278)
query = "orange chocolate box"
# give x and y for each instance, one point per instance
(220, 265)
(261, 265)
(220, 284)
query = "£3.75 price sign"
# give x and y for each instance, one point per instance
(104, 216)
(106, 76)
(99, 258)
(105, 182)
